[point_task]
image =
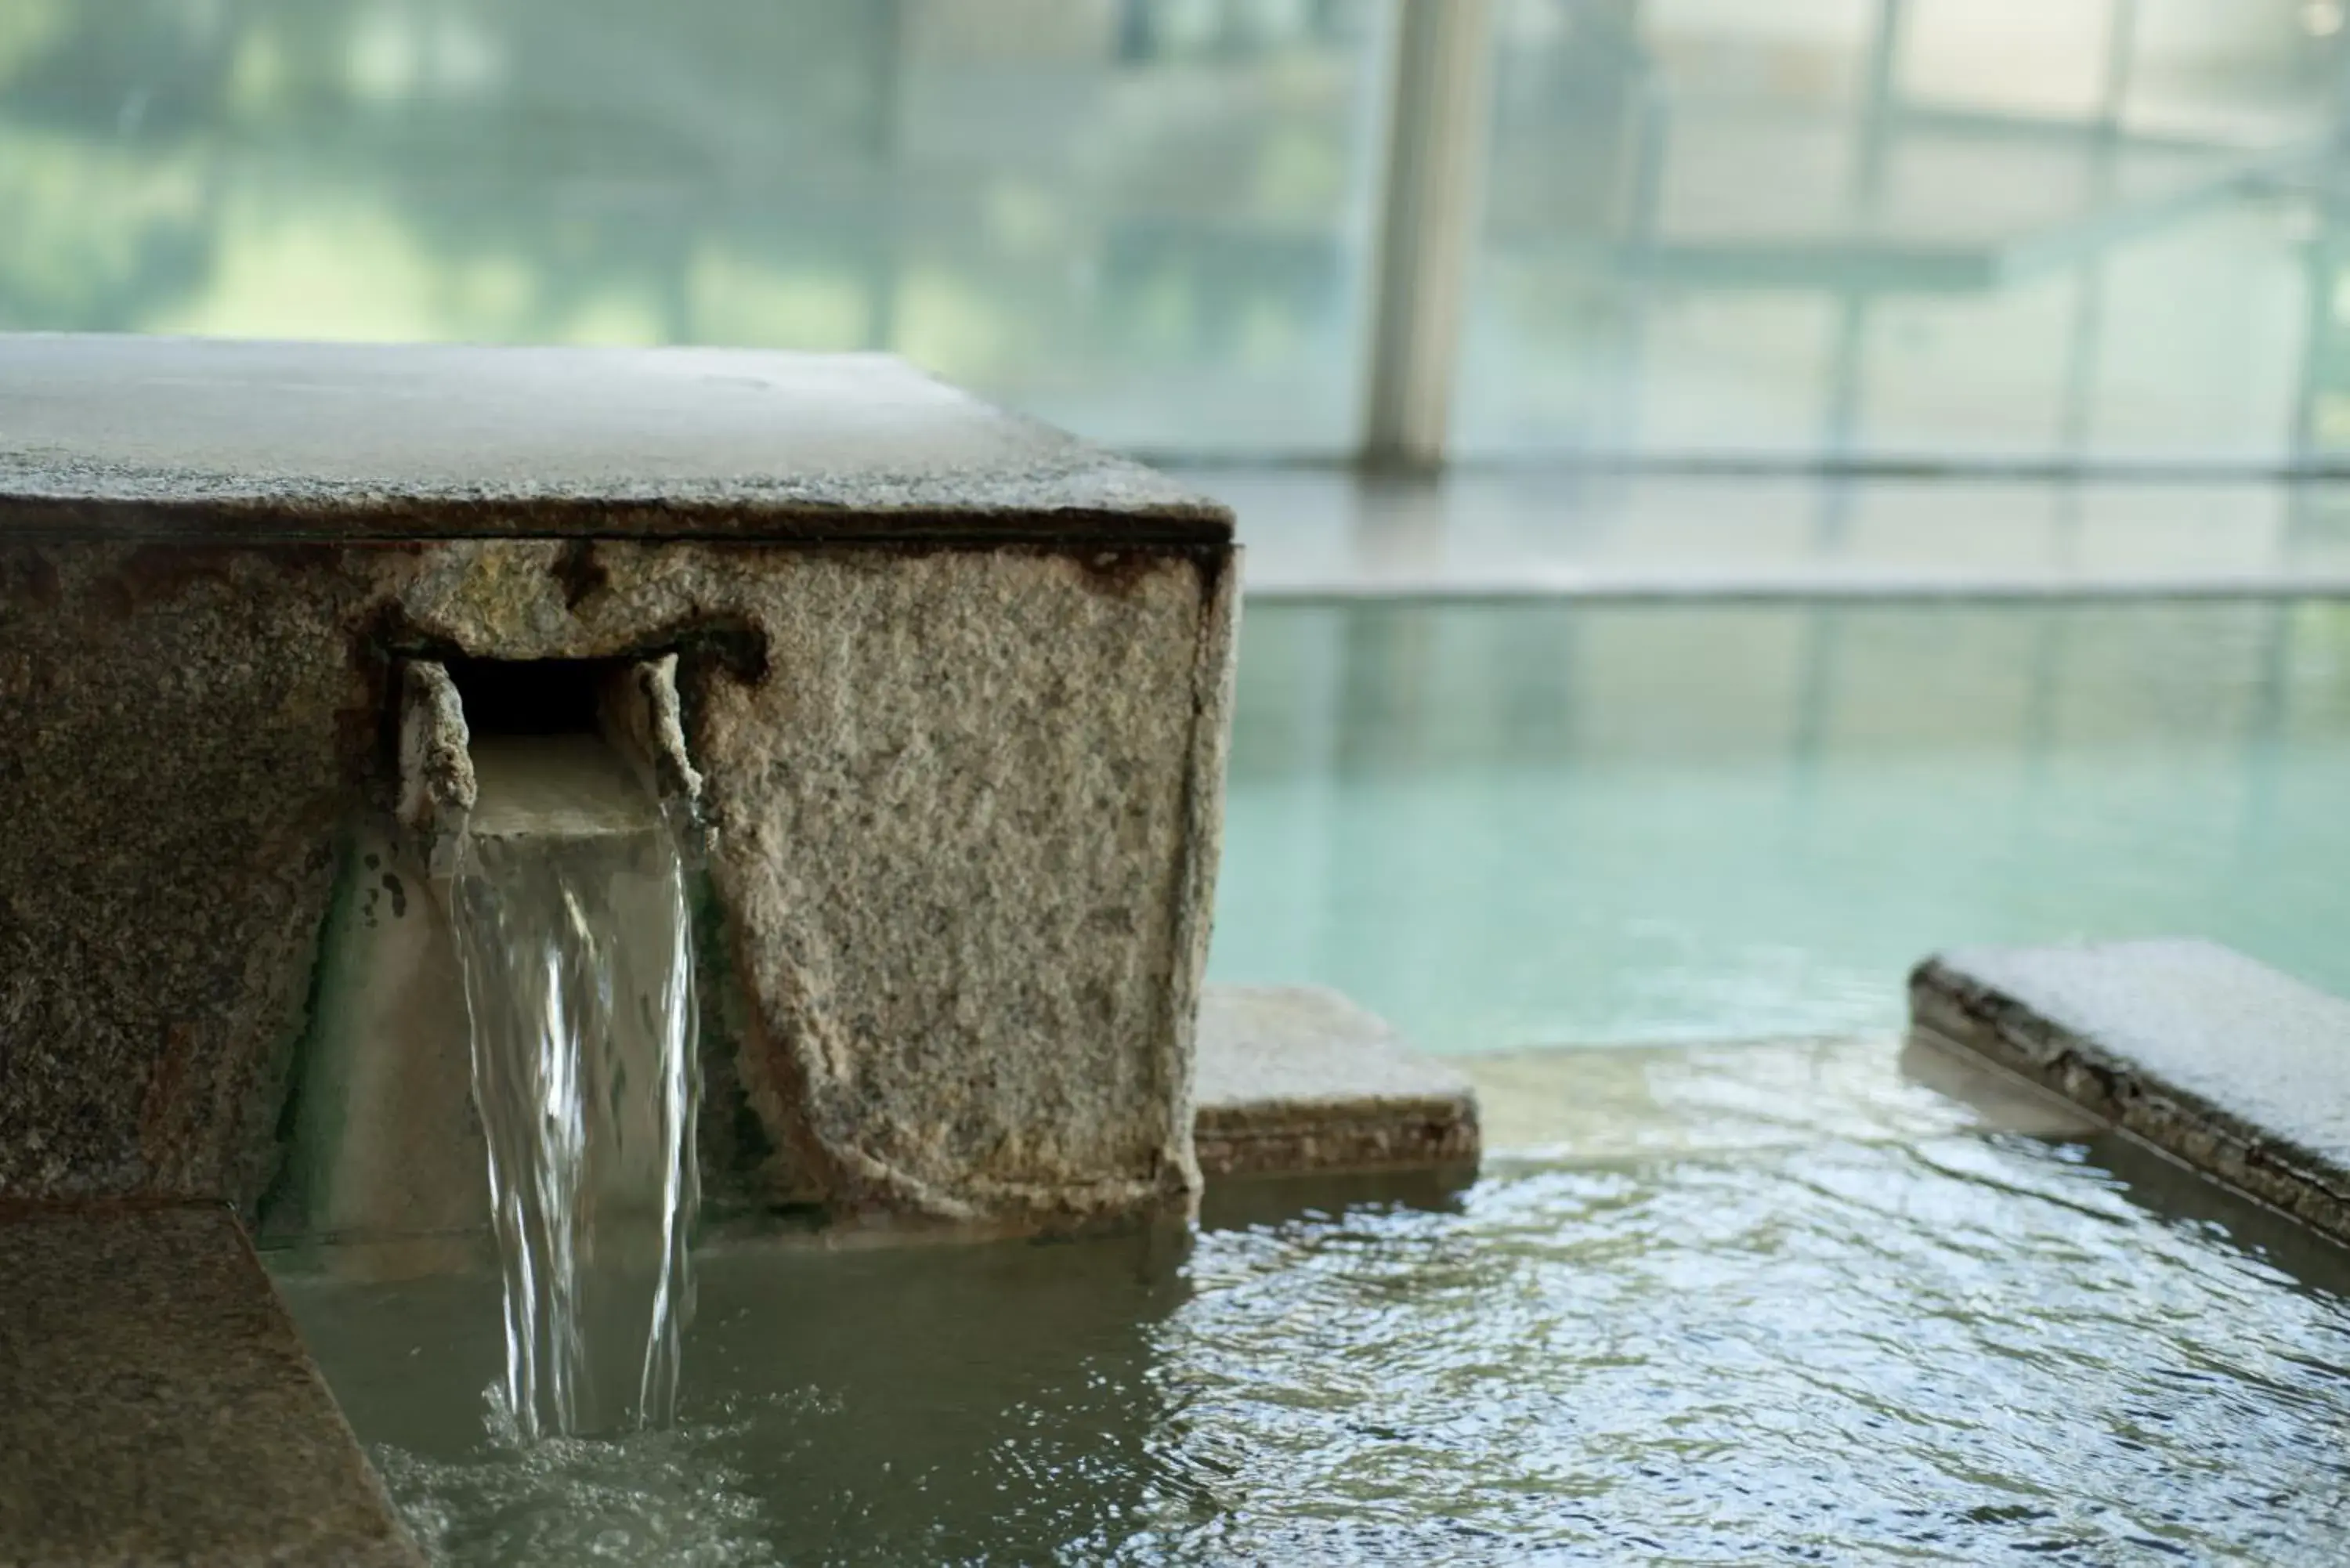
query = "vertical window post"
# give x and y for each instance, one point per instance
(1438, 125)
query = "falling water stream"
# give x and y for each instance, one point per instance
(570, 906)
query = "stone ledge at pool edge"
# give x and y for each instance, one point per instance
(2240, 1071)
(1297, 1079)
(157, 1406)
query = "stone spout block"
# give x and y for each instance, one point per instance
(947, 690)
(437, 790)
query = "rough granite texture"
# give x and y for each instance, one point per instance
(966, 795)
(1297, 1078)
(2237, 1069)
(157, 1407)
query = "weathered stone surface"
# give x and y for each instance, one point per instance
(1298, 1078)
(2237, 1069)
(965, 804)
(969, 921)
(965, 799)
(156, 1405)
(186, 733)
(185, 439)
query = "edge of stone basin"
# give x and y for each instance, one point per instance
(1297, 1079)
(157, 1405)
(220, 441)
(2230, 1066)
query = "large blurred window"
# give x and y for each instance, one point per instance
(1787, 231)
(2037, 230)
(1142, 218)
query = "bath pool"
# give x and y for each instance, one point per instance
(1507, 826)
(1825, 1301)
(1763, 1303)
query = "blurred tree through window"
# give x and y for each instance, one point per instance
(1801, 233)
(1143, 218)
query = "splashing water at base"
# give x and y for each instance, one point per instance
(570, 906)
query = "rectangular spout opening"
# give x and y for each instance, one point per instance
(611, 719)
(532, 695)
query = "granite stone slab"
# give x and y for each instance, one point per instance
(164, 438)
(2240, 1071)
(156, 1405)
(1298, 1078)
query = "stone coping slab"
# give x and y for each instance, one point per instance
(157, 1407)
(180, 439)
(2240, 1071)
(1298, 1078)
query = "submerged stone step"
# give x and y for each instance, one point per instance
(156, 1405)
(1298, 1078)
(2240, 1071)
(1603, 1106)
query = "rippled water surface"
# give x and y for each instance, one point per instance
(1799, 1303)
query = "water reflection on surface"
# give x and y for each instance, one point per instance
(1566, 824)
(1906, 1332)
